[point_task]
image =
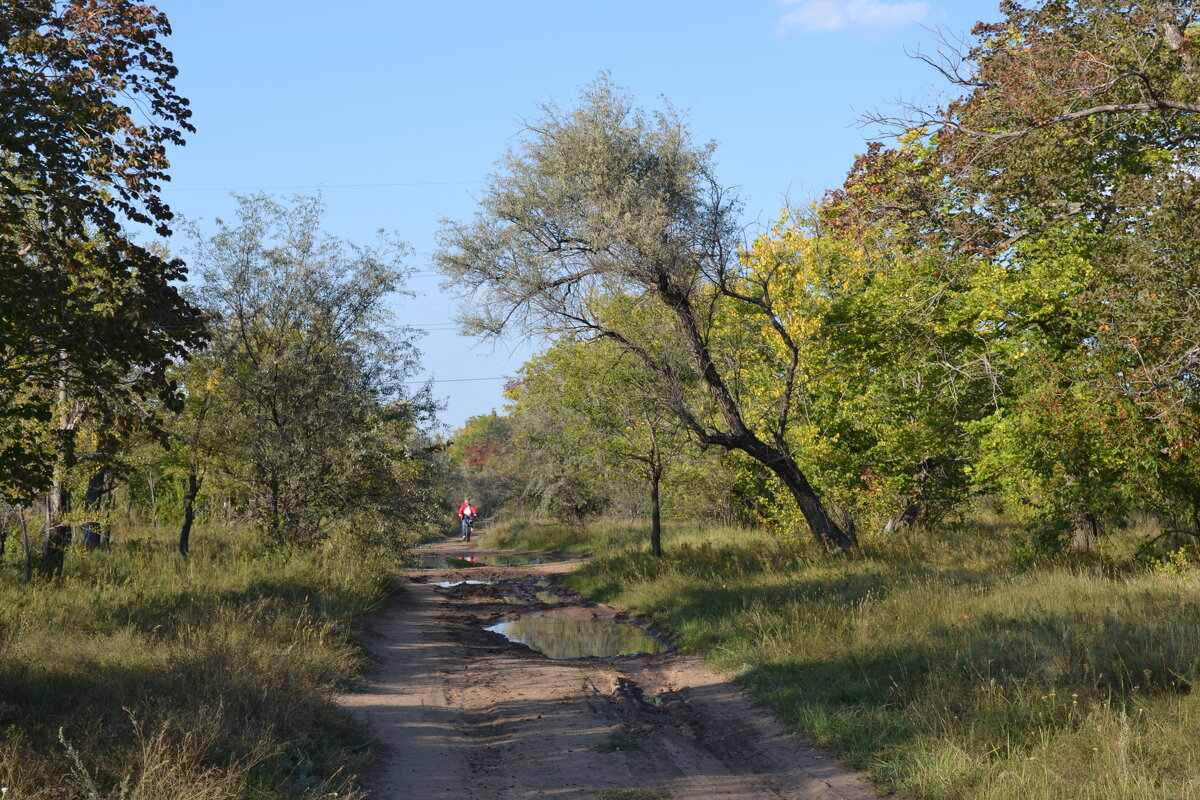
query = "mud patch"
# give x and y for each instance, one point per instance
(561, 636)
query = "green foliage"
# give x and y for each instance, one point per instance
(878, 337)
(586, 405)
(617, 742)
(628, 794)
(303, 390)
(608, 222)
(87, 108)
(479, 453)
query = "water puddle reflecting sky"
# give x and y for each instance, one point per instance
(562, 637)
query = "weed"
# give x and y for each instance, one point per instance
(617, 742)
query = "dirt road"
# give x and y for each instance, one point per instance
(462, 714)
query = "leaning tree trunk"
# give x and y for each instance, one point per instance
(739, 436)
(826, 531)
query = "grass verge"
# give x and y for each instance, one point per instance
(142, 676)
(938, 661)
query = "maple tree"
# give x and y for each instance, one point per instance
(87, 110)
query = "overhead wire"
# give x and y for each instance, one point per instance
(313, 186)
(458, 380)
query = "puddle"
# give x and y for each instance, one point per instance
(443, 561)
(451, 584)
(564, 637)
(549, 598)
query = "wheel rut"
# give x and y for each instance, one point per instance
(461, 714)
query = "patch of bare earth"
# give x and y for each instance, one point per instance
(461, 713)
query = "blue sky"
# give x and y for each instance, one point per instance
(396, 111)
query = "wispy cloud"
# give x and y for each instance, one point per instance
(866, 16)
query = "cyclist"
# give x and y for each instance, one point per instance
(466, 517)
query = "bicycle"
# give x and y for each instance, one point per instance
(468, 526)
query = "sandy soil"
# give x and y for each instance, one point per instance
(460, 713)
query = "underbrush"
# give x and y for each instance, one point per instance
(940, 661)
(143, 676)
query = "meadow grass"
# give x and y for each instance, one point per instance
(942, 662)
(143, 676)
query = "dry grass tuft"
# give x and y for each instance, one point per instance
(141, 676)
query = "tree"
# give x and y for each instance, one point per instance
(889, 347)
(478, 451)
(1059, 191)
(602, 407)
(87, 108)
(605, 201)
(306, 371)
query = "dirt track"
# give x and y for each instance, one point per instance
(462, 714)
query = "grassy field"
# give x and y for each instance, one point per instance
(945, 663)
(141, 676)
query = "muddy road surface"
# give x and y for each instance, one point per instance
(462, 713)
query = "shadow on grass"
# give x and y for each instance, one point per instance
(851, 657)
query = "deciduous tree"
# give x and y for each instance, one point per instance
(607, 200)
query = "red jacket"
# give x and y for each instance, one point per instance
(466, 509)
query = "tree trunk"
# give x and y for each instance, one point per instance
(914, 505)
(907, 517)
(655, 513)
(740, 437)
(27, 571)
(93, 500)
(106, 531)
(58, 529)
(189, 500)
(1087, 529)
(822, 525)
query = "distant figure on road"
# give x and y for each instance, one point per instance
(466, 517)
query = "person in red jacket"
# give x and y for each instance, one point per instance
(466, 518)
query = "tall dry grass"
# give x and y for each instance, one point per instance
(143, 676)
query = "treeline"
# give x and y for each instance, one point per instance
(1005, 302)
(276, 390)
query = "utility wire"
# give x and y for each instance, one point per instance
(315, 186)
(457, 380)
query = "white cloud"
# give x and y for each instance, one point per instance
(871, 16)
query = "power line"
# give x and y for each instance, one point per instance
(459, 380)
(316, 186)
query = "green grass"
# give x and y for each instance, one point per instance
(169, 679)
(561, 537)
(938, 661)
(617, 742)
